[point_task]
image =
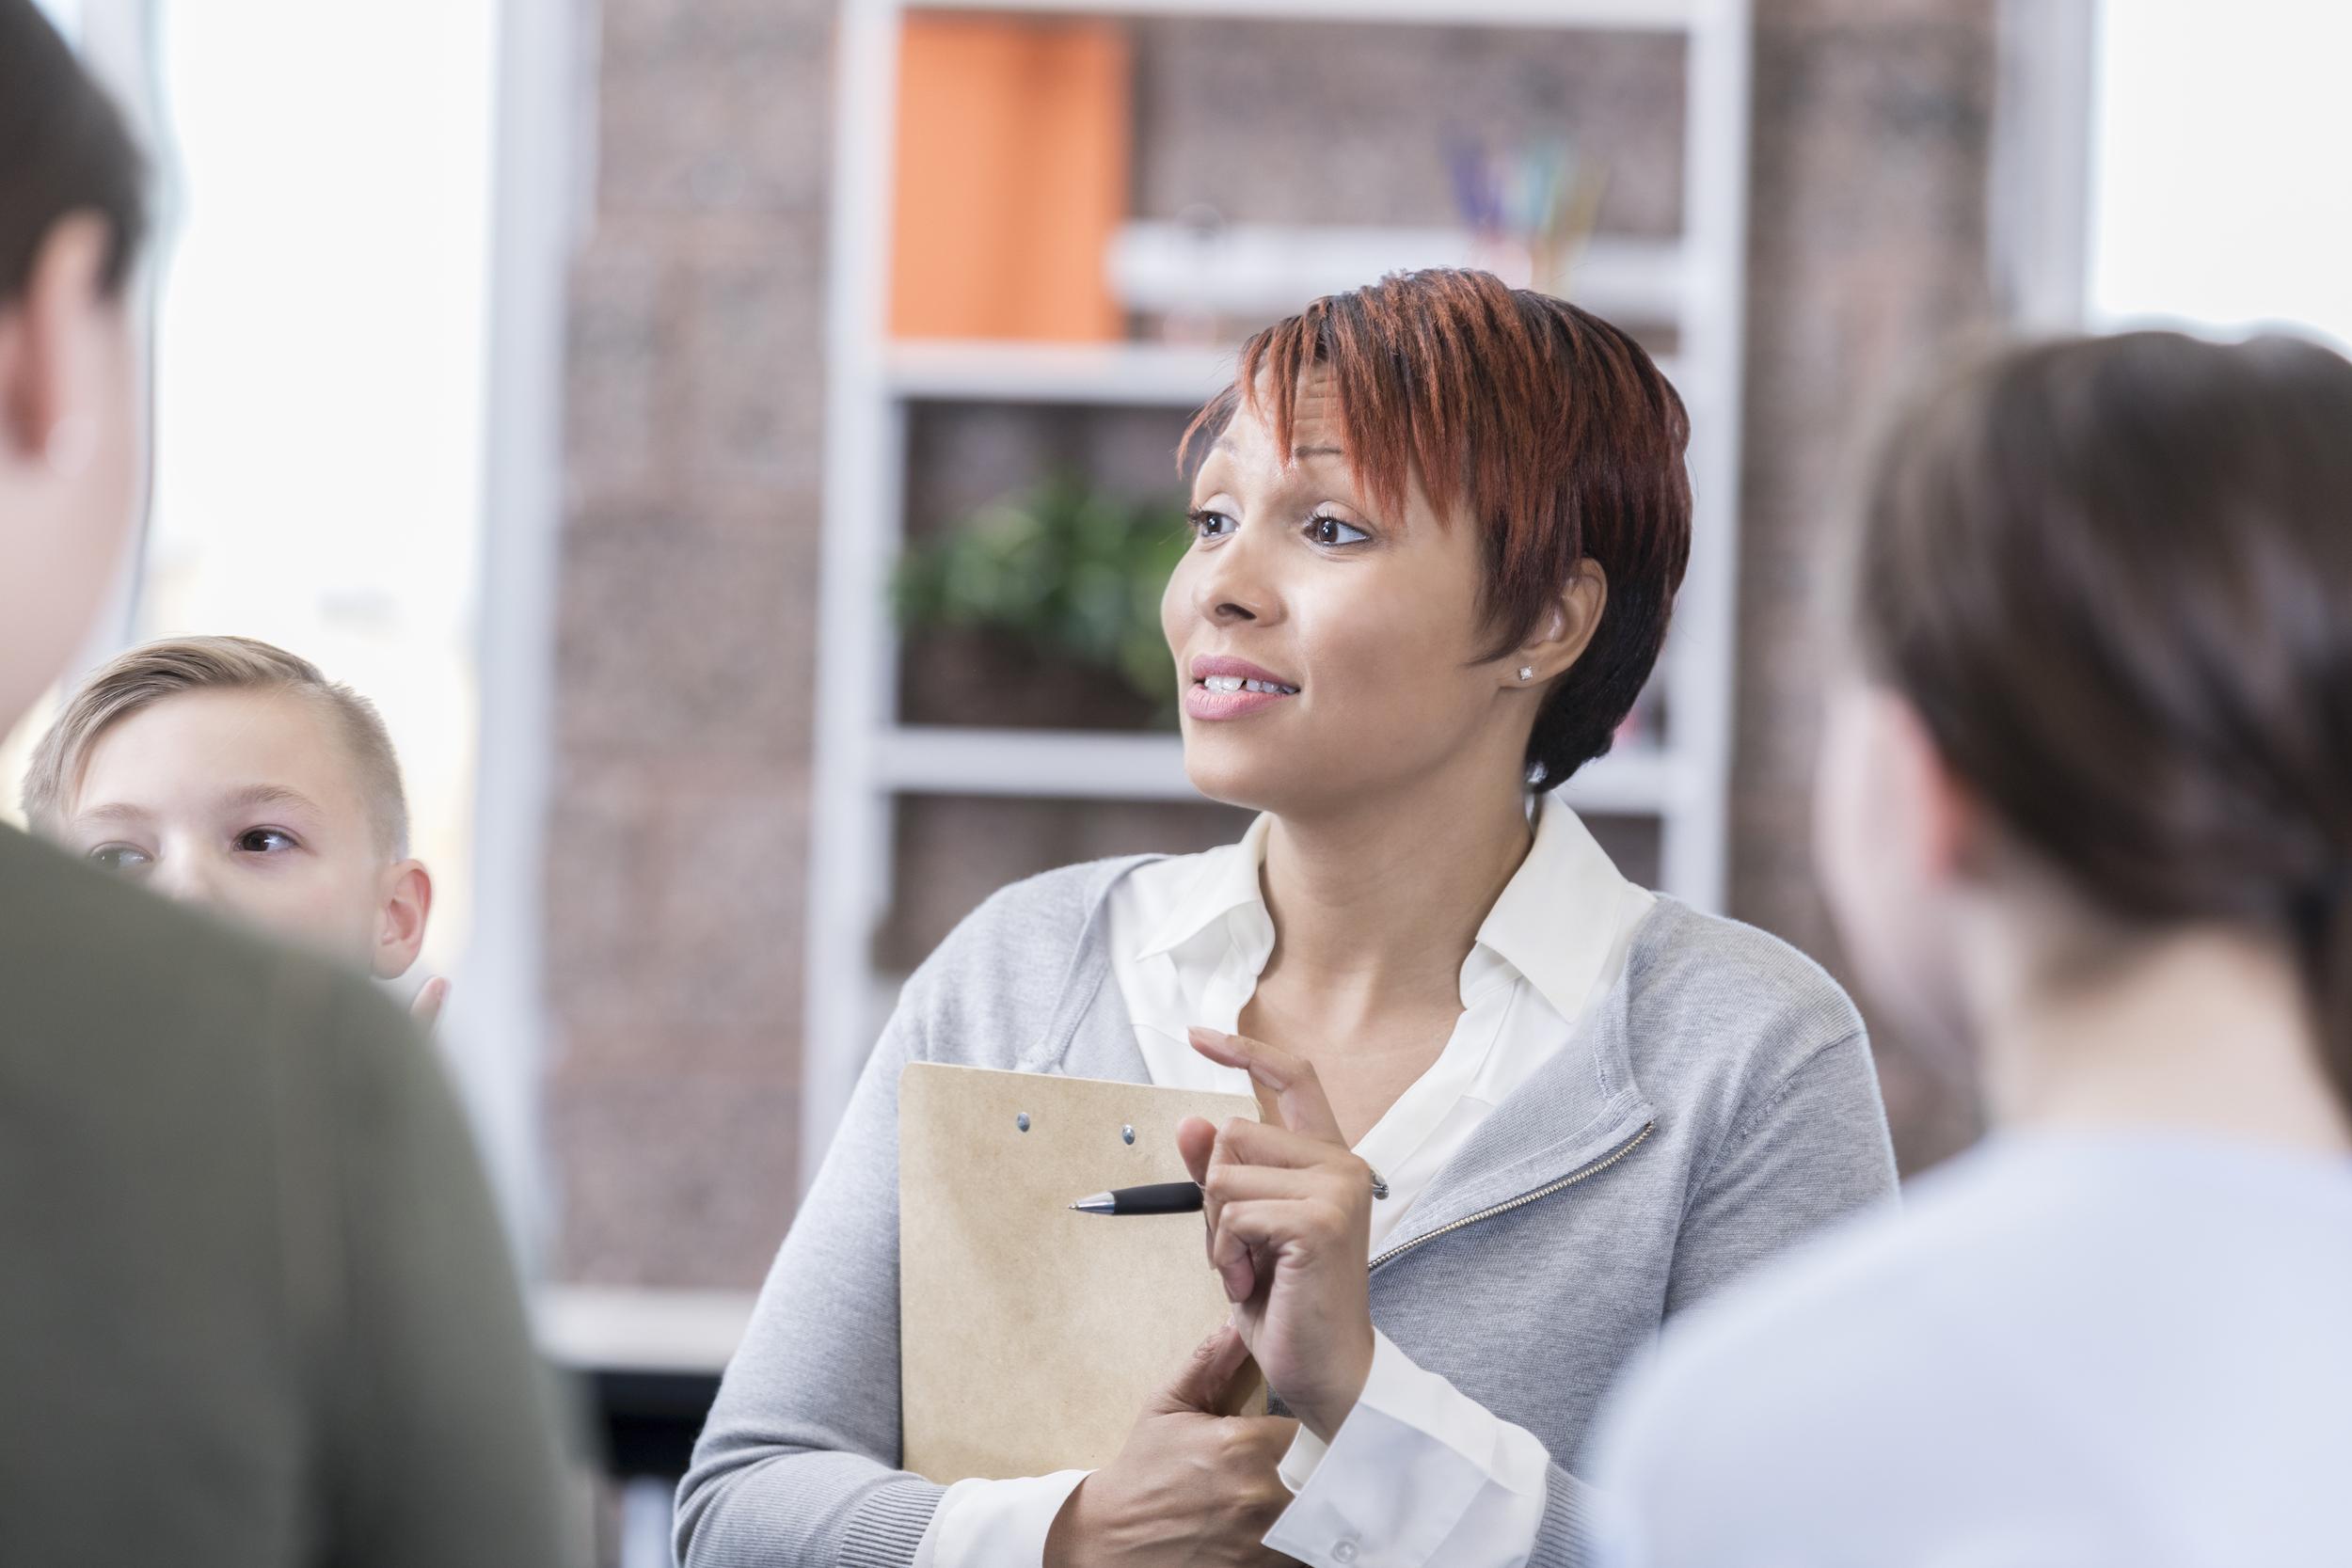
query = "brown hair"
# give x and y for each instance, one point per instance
(67, 152)
(2114, 577)
(146, 675)
(1549, 427)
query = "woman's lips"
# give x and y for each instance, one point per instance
(1220, 682)
(1201, 702)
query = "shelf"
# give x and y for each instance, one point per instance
(1078, 766)
(1567, 15)
(1267, 270)
(1135, 376)
(1148, 375)
(1073, 764)
(595, 1328)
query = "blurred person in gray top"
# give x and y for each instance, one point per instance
(255, 1305)
(2086, 803)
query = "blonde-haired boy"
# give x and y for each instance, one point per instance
(223, 772)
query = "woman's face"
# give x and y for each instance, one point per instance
(1356, 628)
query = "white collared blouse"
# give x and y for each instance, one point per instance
(1190, 935)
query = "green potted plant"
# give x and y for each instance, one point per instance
(1043, 607)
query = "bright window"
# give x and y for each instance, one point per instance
(319, 360)
(2218, 195)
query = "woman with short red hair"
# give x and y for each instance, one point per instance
(1519, 1111)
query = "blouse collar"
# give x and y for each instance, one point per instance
(1555, 923)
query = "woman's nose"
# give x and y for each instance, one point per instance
(1235, 586)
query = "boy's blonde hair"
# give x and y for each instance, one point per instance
(146, 675)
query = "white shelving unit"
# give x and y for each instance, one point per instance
(866, 759)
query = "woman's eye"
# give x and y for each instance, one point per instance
(1211, 525)
(264, 841)
(1330, 531)
(118, 857)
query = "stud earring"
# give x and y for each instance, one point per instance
(1526, 672)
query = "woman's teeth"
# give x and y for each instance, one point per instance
(1235, 683)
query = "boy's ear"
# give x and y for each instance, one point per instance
(407, 904)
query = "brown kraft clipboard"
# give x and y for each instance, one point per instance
(1029, 1336)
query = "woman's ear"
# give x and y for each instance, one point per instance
(1564, 630)
(1896, 834)
(1886, 805)
(1945, 824)
(407, 904)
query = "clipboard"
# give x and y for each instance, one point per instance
(1030, 1335)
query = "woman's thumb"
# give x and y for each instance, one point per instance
(1200, 1383)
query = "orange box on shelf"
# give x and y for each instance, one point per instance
(1012, 176)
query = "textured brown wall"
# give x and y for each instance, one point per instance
(695, 385)
(1866, 248)
(1301, 122)
(687, 641)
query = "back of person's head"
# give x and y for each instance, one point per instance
(2113, 578)
(72, 220)
(67, 152)
(159, 671)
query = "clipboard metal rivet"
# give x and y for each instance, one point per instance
(1022, 1121)
(1127, 1134)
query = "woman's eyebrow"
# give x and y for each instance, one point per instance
(1223, 446)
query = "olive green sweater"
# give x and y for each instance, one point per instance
(255, 1306)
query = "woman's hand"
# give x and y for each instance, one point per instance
(1191, 1485)
(1290, 1231)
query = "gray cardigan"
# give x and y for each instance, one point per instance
(1721, 1106)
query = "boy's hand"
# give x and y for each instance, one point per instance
(426, 1009)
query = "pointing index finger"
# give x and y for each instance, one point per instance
(1298, 1092)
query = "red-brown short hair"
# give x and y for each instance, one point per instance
(1550, 428)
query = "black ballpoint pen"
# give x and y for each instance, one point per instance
(1159, 1197)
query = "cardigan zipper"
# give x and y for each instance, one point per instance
(1524, 1198)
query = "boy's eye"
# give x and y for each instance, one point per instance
(1211, 525)
(118, 857)
(264, 841)
(1326, 529)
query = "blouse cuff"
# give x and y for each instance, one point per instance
(1419, 1473)
(995, 1523)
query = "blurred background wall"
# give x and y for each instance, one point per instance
(694, 390)
(1868, 248)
